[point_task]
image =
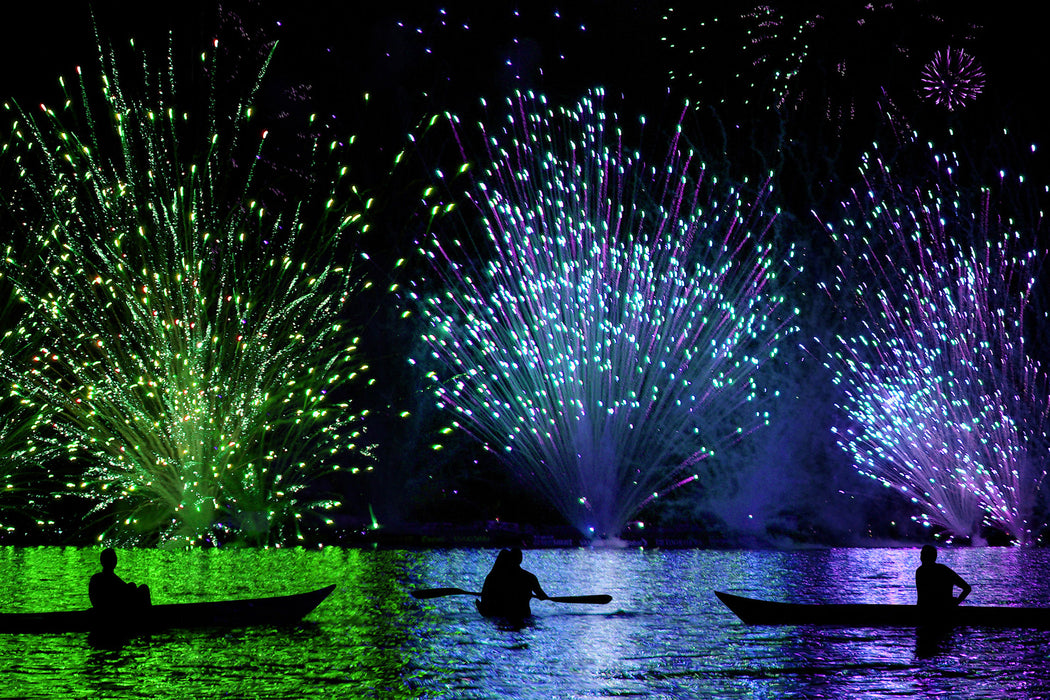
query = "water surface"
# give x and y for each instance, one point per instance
(663, 636)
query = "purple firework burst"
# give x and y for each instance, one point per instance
(953, 78)
(945, 400)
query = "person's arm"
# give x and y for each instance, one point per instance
(966, 588)
(536, 589)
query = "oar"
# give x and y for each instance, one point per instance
(426, 593)
(600, 599)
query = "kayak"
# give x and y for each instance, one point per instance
(766, 612)
(276, 610)
(486, 612)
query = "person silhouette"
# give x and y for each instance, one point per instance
(111, 594)
(935, 585)
(508, 588)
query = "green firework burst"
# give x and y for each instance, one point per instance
(191, 349)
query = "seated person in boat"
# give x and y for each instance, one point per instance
(509, 588)
(935, 583)
(108, 592)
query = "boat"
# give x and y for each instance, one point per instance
(275, 610)
(517, 620)
(765, 612)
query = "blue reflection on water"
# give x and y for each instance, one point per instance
(663, 636)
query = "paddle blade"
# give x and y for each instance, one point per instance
(593, 599)
(425, 593)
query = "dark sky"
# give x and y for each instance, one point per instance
(344, 48)
(419, 58)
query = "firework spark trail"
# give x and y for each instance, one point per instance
(606, 334)
(948, 404)
(191, 352)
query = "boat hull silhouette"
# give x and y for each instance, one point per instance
(275, 610)
(765, 612)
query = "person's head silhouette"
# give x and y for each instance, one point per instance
(108, 559)
(928, 554)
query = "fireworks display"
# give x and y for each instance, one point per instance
(605, 336)
(946, 401)
(186, 343)
(185, 320)
(953, 78)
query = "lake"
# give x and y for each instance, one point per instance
(663, 636)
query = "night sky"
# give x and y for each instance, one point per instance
(344, 48)
(415, 59)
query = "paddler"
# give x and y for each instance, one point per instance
(509, 588)
(111, 594)
(935, 584)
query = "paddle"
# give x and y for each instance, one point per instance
(600, 599)
(426, 593)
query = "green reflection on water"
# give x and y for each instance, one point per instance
(361, 642)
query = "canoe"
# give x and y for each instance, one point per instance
(485, 612)
(275, 610)
(765, 612)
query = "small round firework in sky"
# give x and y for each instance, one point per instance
(952, 78)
